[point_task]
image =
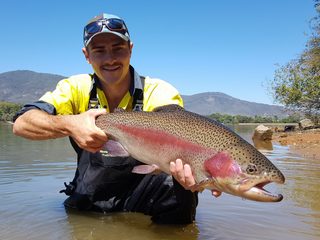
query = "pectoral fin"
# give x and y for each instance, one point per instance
(115, 148)
(205, 184)
(146, 169)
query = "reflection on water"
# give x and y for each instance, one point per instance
(262, 145)
(33, 172)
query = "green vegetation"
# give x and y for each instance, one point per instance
(228, 119)
(296, 84)
(8, 110)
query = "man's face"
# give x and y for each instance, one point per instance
(109, 56)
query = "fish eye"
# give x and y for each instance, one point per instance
(251, 169)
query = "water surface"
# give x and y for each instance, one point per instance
(32, 174)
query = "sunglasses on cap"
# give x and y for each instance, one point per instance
(112, 24)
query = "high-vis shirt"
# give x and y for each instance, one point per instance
(72, 95)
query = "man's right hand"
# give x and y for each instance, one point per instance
(38, 125)
(85, 132)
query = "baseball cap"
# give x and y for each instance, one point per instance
(105, 23)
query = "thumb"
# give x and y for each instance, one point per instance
(97, 112)
(101, 111)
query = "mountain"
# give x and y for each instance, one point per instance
(216, 102)
(23, 86)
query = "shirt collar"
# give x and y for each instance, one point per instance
(135, 81)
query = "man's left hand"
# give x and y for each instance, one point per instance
(183, 174)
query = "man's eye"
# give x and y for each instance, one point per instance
(98, 50)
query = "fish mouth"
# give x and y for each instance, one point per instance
(257, 192)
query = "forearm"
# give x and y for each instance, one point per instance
(39, 125)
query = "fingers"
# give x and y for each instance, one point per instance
(216, 193)
(94, 150)
(182, 173)
(89, 145)
(190, 181)
(178, 171)
(101, 136)
(85, 133)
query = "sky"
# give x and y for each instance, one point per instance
(197, 46)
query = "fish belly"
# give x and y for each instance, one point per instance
(159, 148)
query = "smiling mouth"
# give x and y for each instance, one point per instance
(111, 68)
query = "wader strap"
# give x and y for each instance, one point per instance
(94, 101)
(137, 104)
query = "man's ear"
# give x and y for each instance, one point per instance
(86, 54)
(131, 46)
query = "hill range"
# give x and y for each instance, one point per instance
(23, 86)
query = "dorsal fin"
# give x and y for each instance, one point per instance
(169, 108)
(118, 109)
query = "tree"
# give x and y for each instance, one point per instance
(296, 85)
(235, 120)
(7, 110)
(294, 118)
(244, 119)
(275, 118)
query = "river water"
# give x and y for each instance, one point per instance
(33, 172)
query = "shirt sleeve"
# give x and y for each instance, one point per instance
(71, 95)
(159, 93)
(40, 105)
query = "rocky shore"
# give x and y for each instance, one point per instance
(304, 142)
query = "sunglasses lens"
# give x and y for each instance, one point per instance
(112, 24)
(115, 24)
(93, 27)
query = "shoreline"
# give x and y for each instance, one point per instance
(271, 124)
(305, 143)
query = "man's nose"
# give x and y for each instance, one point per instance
(109, 57)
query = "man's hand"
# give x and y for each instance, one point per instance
(183, 174)
(85, 132)
(39, 125)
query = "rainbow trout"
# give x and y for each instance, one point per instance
(220, 159)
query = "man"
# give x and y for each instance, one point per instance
(104, 182)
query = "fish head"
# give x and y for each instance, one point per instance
(243, 171)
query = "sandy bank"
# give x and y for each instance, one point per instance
(304, 142)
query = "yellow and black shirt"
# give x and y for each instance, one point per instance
(71, 95)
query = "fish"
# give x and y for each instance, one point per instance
(220, 159)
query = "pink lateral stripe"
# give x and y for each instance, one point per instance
(162, 138)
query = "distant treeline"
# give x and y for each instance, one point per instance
(228, 119)
(8, 110)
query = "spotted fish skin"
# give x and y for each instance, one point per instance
(219, 158)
